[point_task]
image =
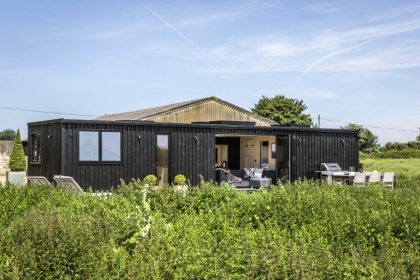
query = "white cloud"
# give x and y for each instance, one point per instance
(143, 26)
(320, 94)
(406, 11)
(368, 47)
(217, 17)
(180, 34)
(277, 49)
(315, 94)
(374, 47)
(322, 7)
(400, 121)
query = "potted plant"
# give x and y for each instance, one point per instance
(150, 181)
(180, 183)
(17, 163)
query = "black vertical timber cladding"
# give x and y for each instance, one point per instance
(192, 150)
(50, 164)
(313, 148)
(191, 154)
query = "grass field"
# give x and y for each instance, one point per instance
(406, 170)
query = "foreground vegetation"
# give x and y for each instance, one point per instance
(299, 231)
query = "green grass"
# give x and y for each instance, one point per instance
(406, 170)
(297, 231)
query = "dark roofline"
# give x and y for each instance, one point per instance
(201, 125)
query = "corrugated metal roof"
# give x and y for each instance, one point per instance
(153, 113)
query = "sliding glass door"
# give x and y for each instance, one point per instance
(283, 158)
(162, 158)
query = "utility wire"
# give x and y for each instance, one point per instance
(45, 112)
(94, 116)
(372, 126)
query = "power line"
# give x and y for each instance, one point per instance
(94, 116)
(46, 112)
(373, 126)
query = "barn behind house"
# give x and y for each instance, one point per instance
(188, 138)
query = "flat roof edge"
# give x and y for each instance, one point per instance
(202, 125)
(46, 121)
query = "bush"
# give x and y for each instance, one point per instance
(401, 146)
(396, 154)
(180, 180)
(296, 231)
(7, 135)
(17, 160)
(150, 180)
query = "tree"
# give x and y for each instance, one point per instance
(367, 140)
(282, 110)
(17, 160)
(418, 138)
(7, 134)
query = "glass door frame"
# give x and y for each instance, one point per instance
(289, 158)
(169, 157)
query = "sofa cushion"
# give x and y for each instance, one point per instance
(258, 173)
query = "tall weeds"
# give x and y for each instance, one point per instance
(297, 231)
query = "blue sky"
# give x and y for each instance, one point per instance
(351, 61)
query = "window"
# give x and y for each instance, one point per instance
(162, 158)
(96, 146)
(111, 146)
(88, 146)
(273, 150)
(264, 154)
(36, 148)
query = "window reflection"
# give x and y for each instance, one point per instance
(88, 146)
(162, 159)
(111, 146)
(36, 148)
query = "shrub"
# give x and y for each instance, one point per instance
(401, 146)
(396, 154)
(180, 180)
(17, 157)
(150, 180)
(7, 135)
(296, 231)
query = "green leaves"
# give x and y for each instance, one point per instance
(180, 180)
(17, 157)
(150, 180)
(282, 110)
(7, 135)
(296, 231)
(368, 142)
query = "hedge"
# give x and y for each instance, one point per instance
(296, 231)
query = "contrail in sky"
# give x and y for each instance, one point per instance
(330, 55)
(187, 40)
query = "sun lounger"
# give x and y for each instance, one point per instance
(38, 180)
(375, 178)
(68, 182)
(359, 179)
(389, 179)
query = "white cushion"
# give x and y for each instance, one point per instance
(258, 173)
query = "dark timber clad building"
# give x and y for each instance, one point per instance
(188, 138)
